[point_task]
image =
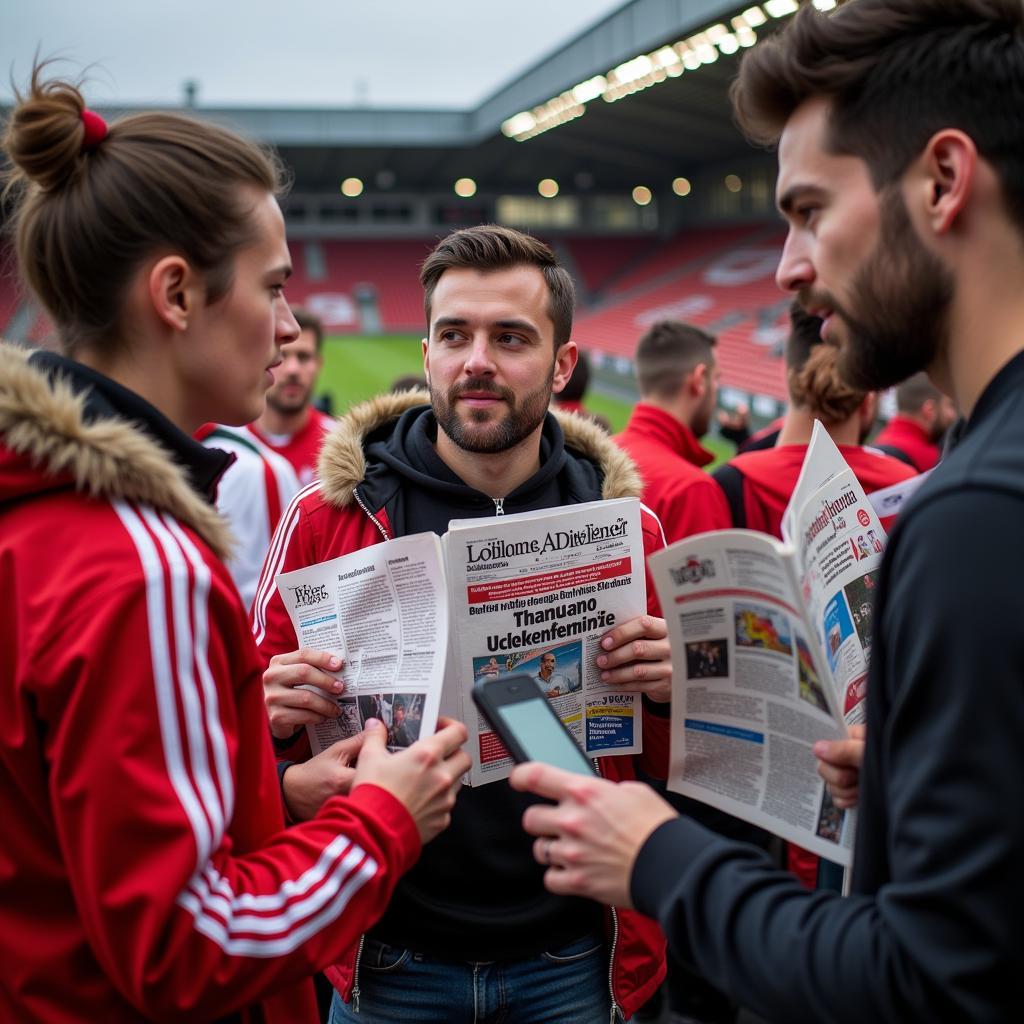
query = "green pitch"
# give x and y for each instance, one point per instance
(356, 369)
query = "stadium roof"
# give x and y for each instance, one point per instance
(670, 61)
(648, 137)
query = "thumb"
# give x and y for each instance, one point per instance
(347, 750)
(375, 738)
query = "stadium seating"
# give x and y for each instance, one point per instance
(329, 283)
(723, 281)
(598, 261)
(668, 258)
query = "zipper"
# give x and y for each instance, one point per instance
(616, 1011)
(376, 522)
(355, 973)
(499, 506)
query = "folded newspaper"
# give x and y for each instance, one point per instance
(532, 592)
(384, 610)
(770, 645)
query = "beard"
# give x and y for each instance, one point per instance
(902, 295)
(286, 406)
(701, 421)
(522, 418)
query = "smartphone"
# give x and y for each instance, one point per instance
(521, 714)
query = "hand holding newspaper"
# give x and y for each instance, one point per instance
(534, 593)
(384, 611)
(770, 646)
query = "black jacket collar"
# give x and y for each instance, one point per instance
(106, 399)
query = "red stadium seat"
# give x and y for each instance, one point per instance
(725, 282)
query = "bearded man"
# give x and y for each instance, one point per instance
(473, 934)
(900, 131)
(290, 424)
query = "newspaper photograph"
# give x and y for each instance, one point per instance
(534, 593)
(839, 541)
(384, 610)
(770, 646)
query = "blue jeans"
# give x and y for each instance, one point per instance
(562, 986)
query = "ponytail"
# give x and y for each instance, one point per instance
(92, 202)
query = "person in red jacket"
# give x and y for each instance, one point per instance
(924, 414)
(290, 424)
(145, 871)
(678, 380)
(677, 377)
(471, 925)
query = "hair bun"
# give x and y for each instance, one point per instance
(45, 132)
(818, 386)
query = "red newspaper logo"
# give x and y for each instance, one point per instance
(564, 579)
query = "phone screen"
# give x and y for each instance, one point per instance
(542, 736)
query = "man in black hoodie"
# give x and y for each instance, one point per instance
(900, 126)
(472, 934)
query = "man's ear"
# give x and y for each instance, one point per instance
(425, 342)
(174, 290)
(697, 380)
(947, 176)
(565, 362)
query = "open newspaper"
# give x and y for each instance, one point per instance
(770, 644)
(383, 610)
(419, 619)
(535, 592)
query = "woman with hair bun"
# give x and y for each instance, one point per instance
(145, 871)
(759, 484)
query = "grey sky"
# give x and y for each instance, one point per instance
(419, 53)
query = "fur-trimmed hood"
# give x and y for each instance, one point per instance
(47, 443)
(342, 464)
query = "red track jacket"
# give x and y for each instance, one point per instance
(145, 871)
(669, 457)
(903, 434)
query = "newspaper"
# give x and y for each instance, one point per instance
(535, 592)
(889, 501)
(384, 611)
(770, 643)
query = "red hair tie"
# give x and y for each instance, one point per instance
(95, 129)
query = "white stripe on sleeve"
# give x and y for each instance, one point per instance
(275, 561)
(183, 594)
(201, 618)
(243, 924)
(163, 679)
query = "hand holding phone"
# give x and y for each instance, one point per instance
(521, 714)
